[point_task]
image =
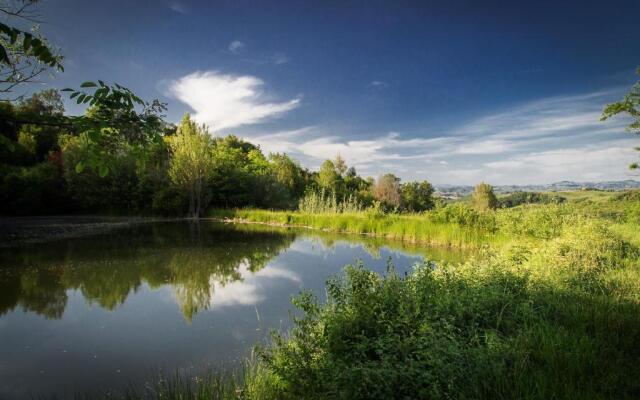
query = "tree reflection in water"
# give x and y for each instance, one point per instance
(194, 259)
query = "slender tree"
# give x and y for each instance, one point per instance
(340, 164)
(483, 197)
(387, 190)
(191, 163)
(328, 177)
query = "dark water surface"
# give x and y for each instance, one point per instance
(105, 310)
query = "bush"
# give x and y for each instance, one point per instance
(379, 338)
(541, 222)
(463, 215)
(33, 190)
(483, 197)
(519, 198)
(531, 321)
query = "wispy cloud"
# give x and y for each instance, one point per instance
(236, 47)
(225, 101)
(378, 84)
(279, 58)
(178, 7)
(545, 140)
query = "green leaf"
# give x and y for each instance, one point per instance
(26, 43)
(4, 57)
(101, 92)
(103, 170)
(74, 95)
(8, 143)
(67, 90)
(101, 83)
(79, 167)
(88, 84)
(94, 135)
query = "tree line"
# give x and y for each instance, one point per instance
(113, 163)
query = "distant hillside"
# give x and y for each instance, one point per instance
(463, 190)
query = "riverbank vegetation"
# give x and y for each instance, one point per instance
(549, 311)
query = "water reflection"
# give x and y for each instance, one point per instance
(107, 310)
(205, 264)
(197, 261)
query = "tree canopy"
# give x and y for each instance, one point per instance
(629, 105)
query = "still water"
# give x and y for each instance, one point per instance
(103, 311)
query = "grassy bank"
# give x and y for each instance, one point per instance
(552, 313)
(410, 228)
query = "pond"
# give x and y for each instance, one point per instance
(103, 311)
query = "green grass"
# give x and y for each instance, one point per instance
(410, 228)
(556, 318)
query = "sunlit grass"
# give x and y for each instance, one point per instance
(411, 228)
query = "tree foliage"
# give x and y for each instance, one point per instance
(191, 164)
(629, 105)
(417, 196)
(23, 54)
(483, 197)
(328, 176)
(387, 190)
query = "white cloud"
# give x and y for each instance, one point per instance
(540, 141)
(545, 140)
(378, 84)
(236, 47)
(178, 7)
(585, 163)
(226, 101)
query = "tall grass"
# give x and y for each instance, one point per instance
(324, 203)
(455, 225)
(411, 228)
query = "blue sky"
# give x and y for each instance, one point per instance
(449, 91)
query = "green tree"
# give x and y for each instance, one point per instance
(28, 141)
(629, 105)
(387, 190)
(288, 173)
(417, 196)
(45, 103)
(483, 197)
(191, 164)
(340, 164)
(328, 177)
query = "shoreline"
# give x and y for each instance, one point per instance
(18, 231)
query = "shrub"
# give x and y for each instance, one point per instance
(519, 198)
(483, 197)
(463, 215)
